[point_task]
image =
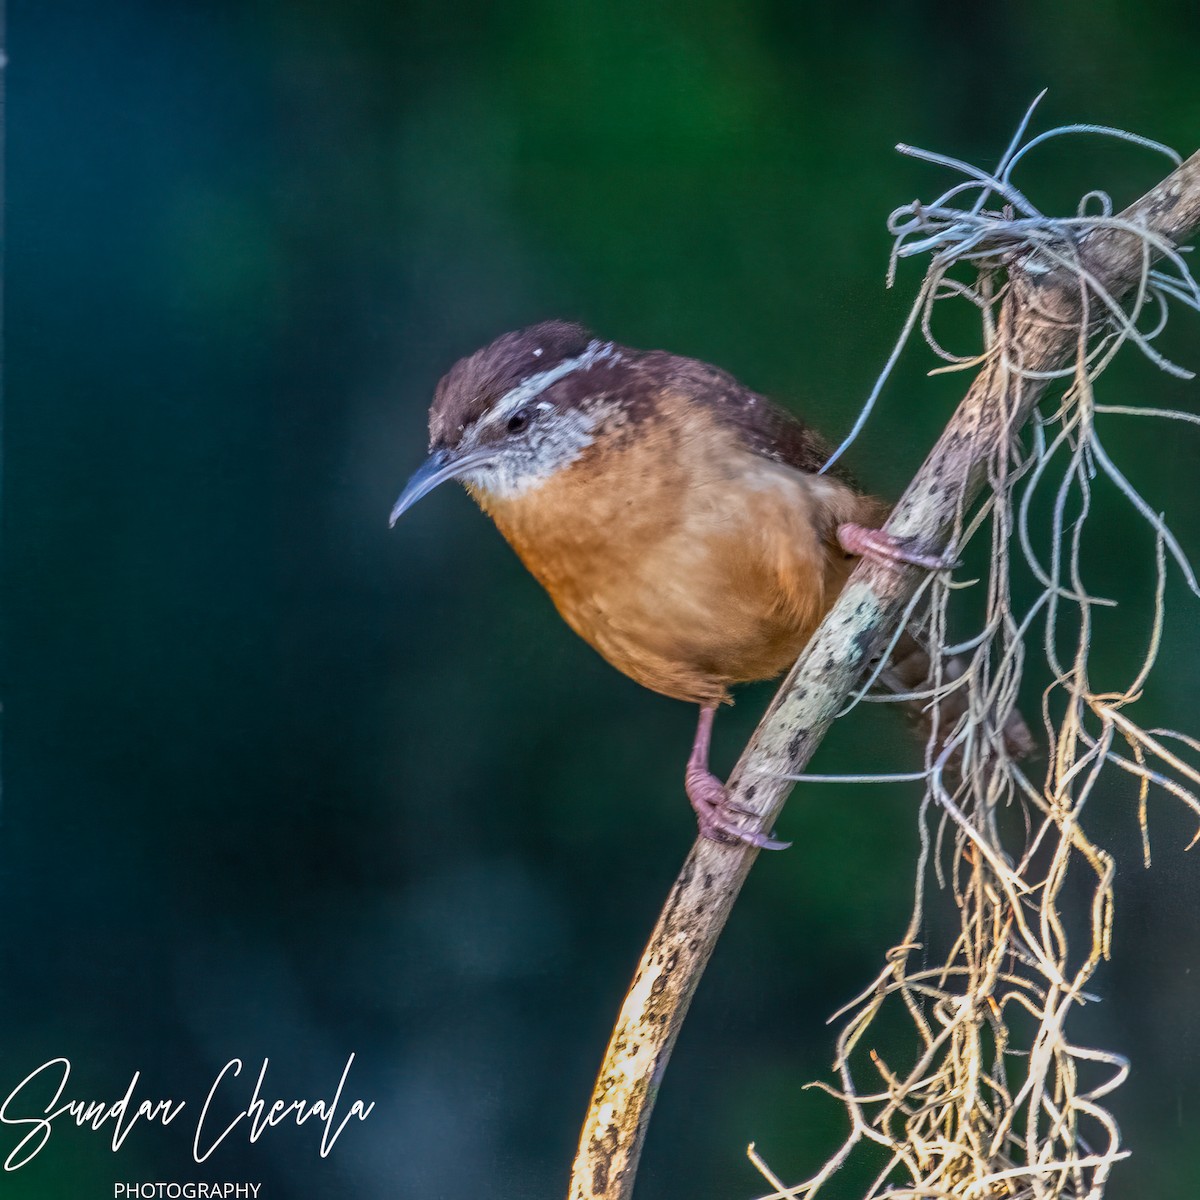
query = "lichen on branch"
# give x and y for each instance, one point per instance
(1057, 298)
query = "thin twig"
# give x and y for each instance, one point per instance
(1038, 330)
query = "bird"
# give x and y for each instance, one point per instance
(681, 523)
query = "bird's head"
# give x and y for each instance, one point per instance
(511, 415)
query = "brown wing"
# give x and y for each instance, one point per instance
(763, 426)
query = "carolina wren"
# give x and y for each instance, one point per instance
(677, 519)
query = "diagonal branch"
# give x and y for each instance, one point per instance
(1037, 333)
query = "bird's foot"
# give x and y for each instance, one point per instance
(718, 816)
(886, 548)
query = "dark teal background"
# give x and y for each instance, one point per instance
(280, 782)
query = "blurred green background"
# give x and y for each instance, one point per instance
(280, 782)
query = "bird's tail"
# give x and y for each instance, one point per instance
(910, 669)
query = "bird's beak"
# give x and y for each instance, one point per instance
(437, 468)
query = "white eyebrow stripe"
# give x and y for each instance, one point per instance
(529, 389)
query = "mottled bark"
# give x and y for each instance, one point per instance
(1038, 328)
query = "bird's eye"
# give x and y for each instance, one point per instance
(518, 421)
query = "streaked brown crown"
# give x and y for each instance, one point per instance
(635, 378)
(475, 383)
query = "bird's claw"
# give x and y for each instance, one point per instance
(887, 548)
(718, 815)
